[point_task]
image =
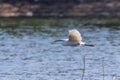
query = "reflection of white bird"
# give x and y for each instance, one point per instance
(75, 39)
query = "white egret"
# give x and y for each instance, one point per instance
(74, 39)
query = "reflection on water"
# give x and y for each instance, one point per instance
(26, 52)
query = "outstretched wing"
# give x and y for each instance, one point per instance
(75, 36)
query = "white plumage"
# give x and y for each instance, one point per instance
(74, 39)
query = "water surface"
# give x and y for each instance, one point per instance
(27, 52)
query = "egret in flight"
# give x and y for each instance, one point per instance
(74, 39)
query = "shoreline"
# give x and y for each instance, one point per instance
(94, 9)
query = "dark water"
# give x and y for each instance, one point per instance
(26, 52)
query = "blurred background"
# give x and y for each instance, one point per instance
(29, 27)
(59, 8)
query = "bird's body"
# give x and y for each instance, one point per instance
(74, 39)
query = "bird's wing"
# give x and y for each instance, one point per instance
(75, 36)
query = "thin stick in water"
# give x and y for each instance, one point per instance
(83, 68)
(103, 69)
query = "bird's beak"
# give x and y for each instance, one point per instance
(92, 45)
